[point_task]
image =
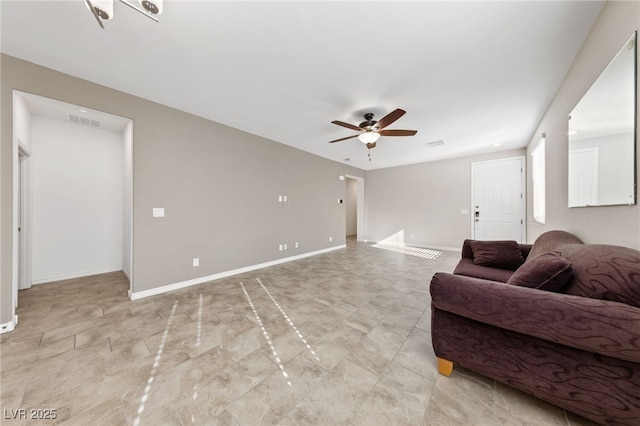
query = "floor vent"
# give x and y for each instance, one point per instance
(83, 120)
(433, 144)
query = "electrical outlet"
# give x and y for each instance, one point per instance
(196, 262)
(285, 246)
(284, 198)
(330, 239)
(280, 247)
(296, 244)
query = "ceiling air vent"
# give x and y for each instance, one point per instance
(433, 144)
(83, 120)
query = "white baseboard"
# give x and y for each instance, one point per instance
(8, 326)
(176, 286)
(75, 275)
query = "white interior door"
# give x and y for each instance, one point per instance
(498, 200)
(583, 177)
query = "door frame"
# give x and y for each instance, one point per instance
(523, 192)
(24, 220)
(22, 253)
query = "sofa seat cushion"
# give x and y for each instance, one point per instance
(467, 268)
(547, 271)
(498, 254)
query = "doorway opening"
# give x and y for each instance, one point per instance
(55, 206)
(354, 207)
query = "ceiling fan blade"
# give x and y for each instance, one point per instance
(344, 139)
(95, 14)
(397, 132)
(390, 118)
(347, 125)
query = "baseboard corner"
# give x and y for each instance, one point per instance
(8, 327)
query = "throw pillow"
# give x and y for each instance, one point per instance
(499, 254)
(547, 271)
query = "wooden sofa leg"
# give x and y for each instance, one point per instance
(445, 367)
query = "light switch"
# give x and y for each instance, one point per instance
(158, 212)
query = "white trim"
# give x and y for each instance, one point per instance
(24, 236)
(539, 182)
(135, 295)
(8, 326)
(76, 275)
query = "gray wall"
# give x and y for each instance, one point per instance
(424, 201)
(219, 187)
(610, 225)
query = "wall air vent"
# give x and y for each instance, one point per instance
(433, 144)
(83, 120)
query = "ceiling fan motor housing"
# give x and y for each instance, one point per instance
(369, 123)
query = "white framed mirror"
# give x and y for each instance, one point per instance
(602, 137)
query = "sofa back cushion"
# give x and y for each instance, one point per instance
(498, 254)
(552, 241)
(604, 272)
(547, 271)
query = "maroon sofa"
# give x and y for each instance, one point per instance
(575, 344)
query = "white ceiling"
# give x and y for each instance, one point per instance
(472, 74)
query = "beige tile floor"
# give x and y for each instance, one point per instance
(339, 338)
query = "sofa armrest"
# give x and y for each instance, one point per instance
(467, 253)
(608, 328)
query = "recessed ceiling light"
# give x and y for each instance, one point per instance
(573, 132)
(83, 110)
(497, 144)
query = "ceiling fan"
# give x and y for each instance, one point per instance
(370, 130)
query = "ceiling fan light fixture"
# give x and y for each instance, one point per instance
(152, 6)
(104, 8)
(369, 137)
